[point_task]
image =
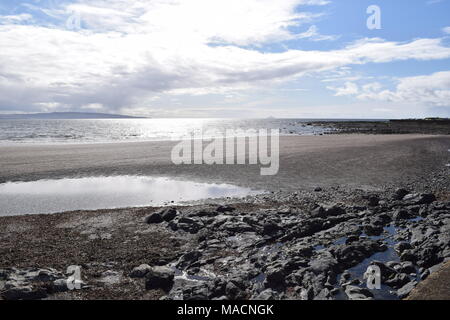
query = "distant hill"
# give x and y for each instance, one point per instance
(66, 115)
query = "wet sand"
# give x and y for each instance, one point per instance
(366, 161)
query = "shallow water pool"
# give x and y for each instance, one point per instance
(51, 196)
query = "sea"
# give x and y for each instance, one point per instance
(56, 131)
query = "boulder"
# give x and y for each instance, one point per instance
(399, 194)
(154, 218)
(159, 278)
(169, 214)
(357, 293)
(373, 201)
(404, 291)
(422, 198)
(141, 271)
(24, 293)
(223, 209)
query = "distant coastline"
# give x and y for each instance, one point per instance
(65, 116)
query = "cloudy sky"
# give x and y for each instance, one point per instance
(226, 58)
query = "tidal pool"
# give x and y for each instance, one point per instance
(52, 196)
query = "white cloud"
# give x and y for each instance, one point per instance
(12, 19)
(446, 30)
(313, 34)
(432, 90)
(131, 52)
(349, 89)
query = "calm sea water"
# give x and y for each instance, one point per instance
(105, 130)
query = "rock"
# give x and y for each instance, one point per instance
(318, 189)
(350, 255)
(159, 278)
(224, 209)
(274, 278)
(373, 230)
(408, 255)
(154, 218)
(323, 263)
(188, 225)
(232, 291)
(60, 285)
(345, 277)
(400, 194)
(399, 280)
(141, 271)
(266, 295)
(188, 258)
(401, 214)
(387, 272)
(423, 198)
(424, 274)
(169, 214)
(270, 228)
(373, 201)
(24, 293)
(42, 275)
(328, 211)
(407, 267)
(402, 246)
(357, 293)
(404, 291)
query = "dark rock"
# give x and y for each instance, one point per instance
(400, 194)
(357, 293)
(141, 271)
(159, 278)
(266, 295)
(408, 255)
(373, 201)
(402, 246)
(424, 274)
(406, 289)
(270, 228)
(232, 291)
(274, 278)
(59, 285)
(350, 255)
(24, 293)
(401, 214)
(407, 267)
(328, 211)
(236, 227)
(387, 272)
(188, 258)
(169, 214)
(318, 189)
(423, 198)
(223, 209)
(399, 280)
(154, 218)
(373, 230)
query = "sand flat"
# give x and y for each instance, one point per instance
(364, 160)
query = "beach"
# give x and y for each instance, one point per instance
(338, 204)
(305, 161)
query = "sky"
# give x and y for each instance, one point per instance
(227, 58)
